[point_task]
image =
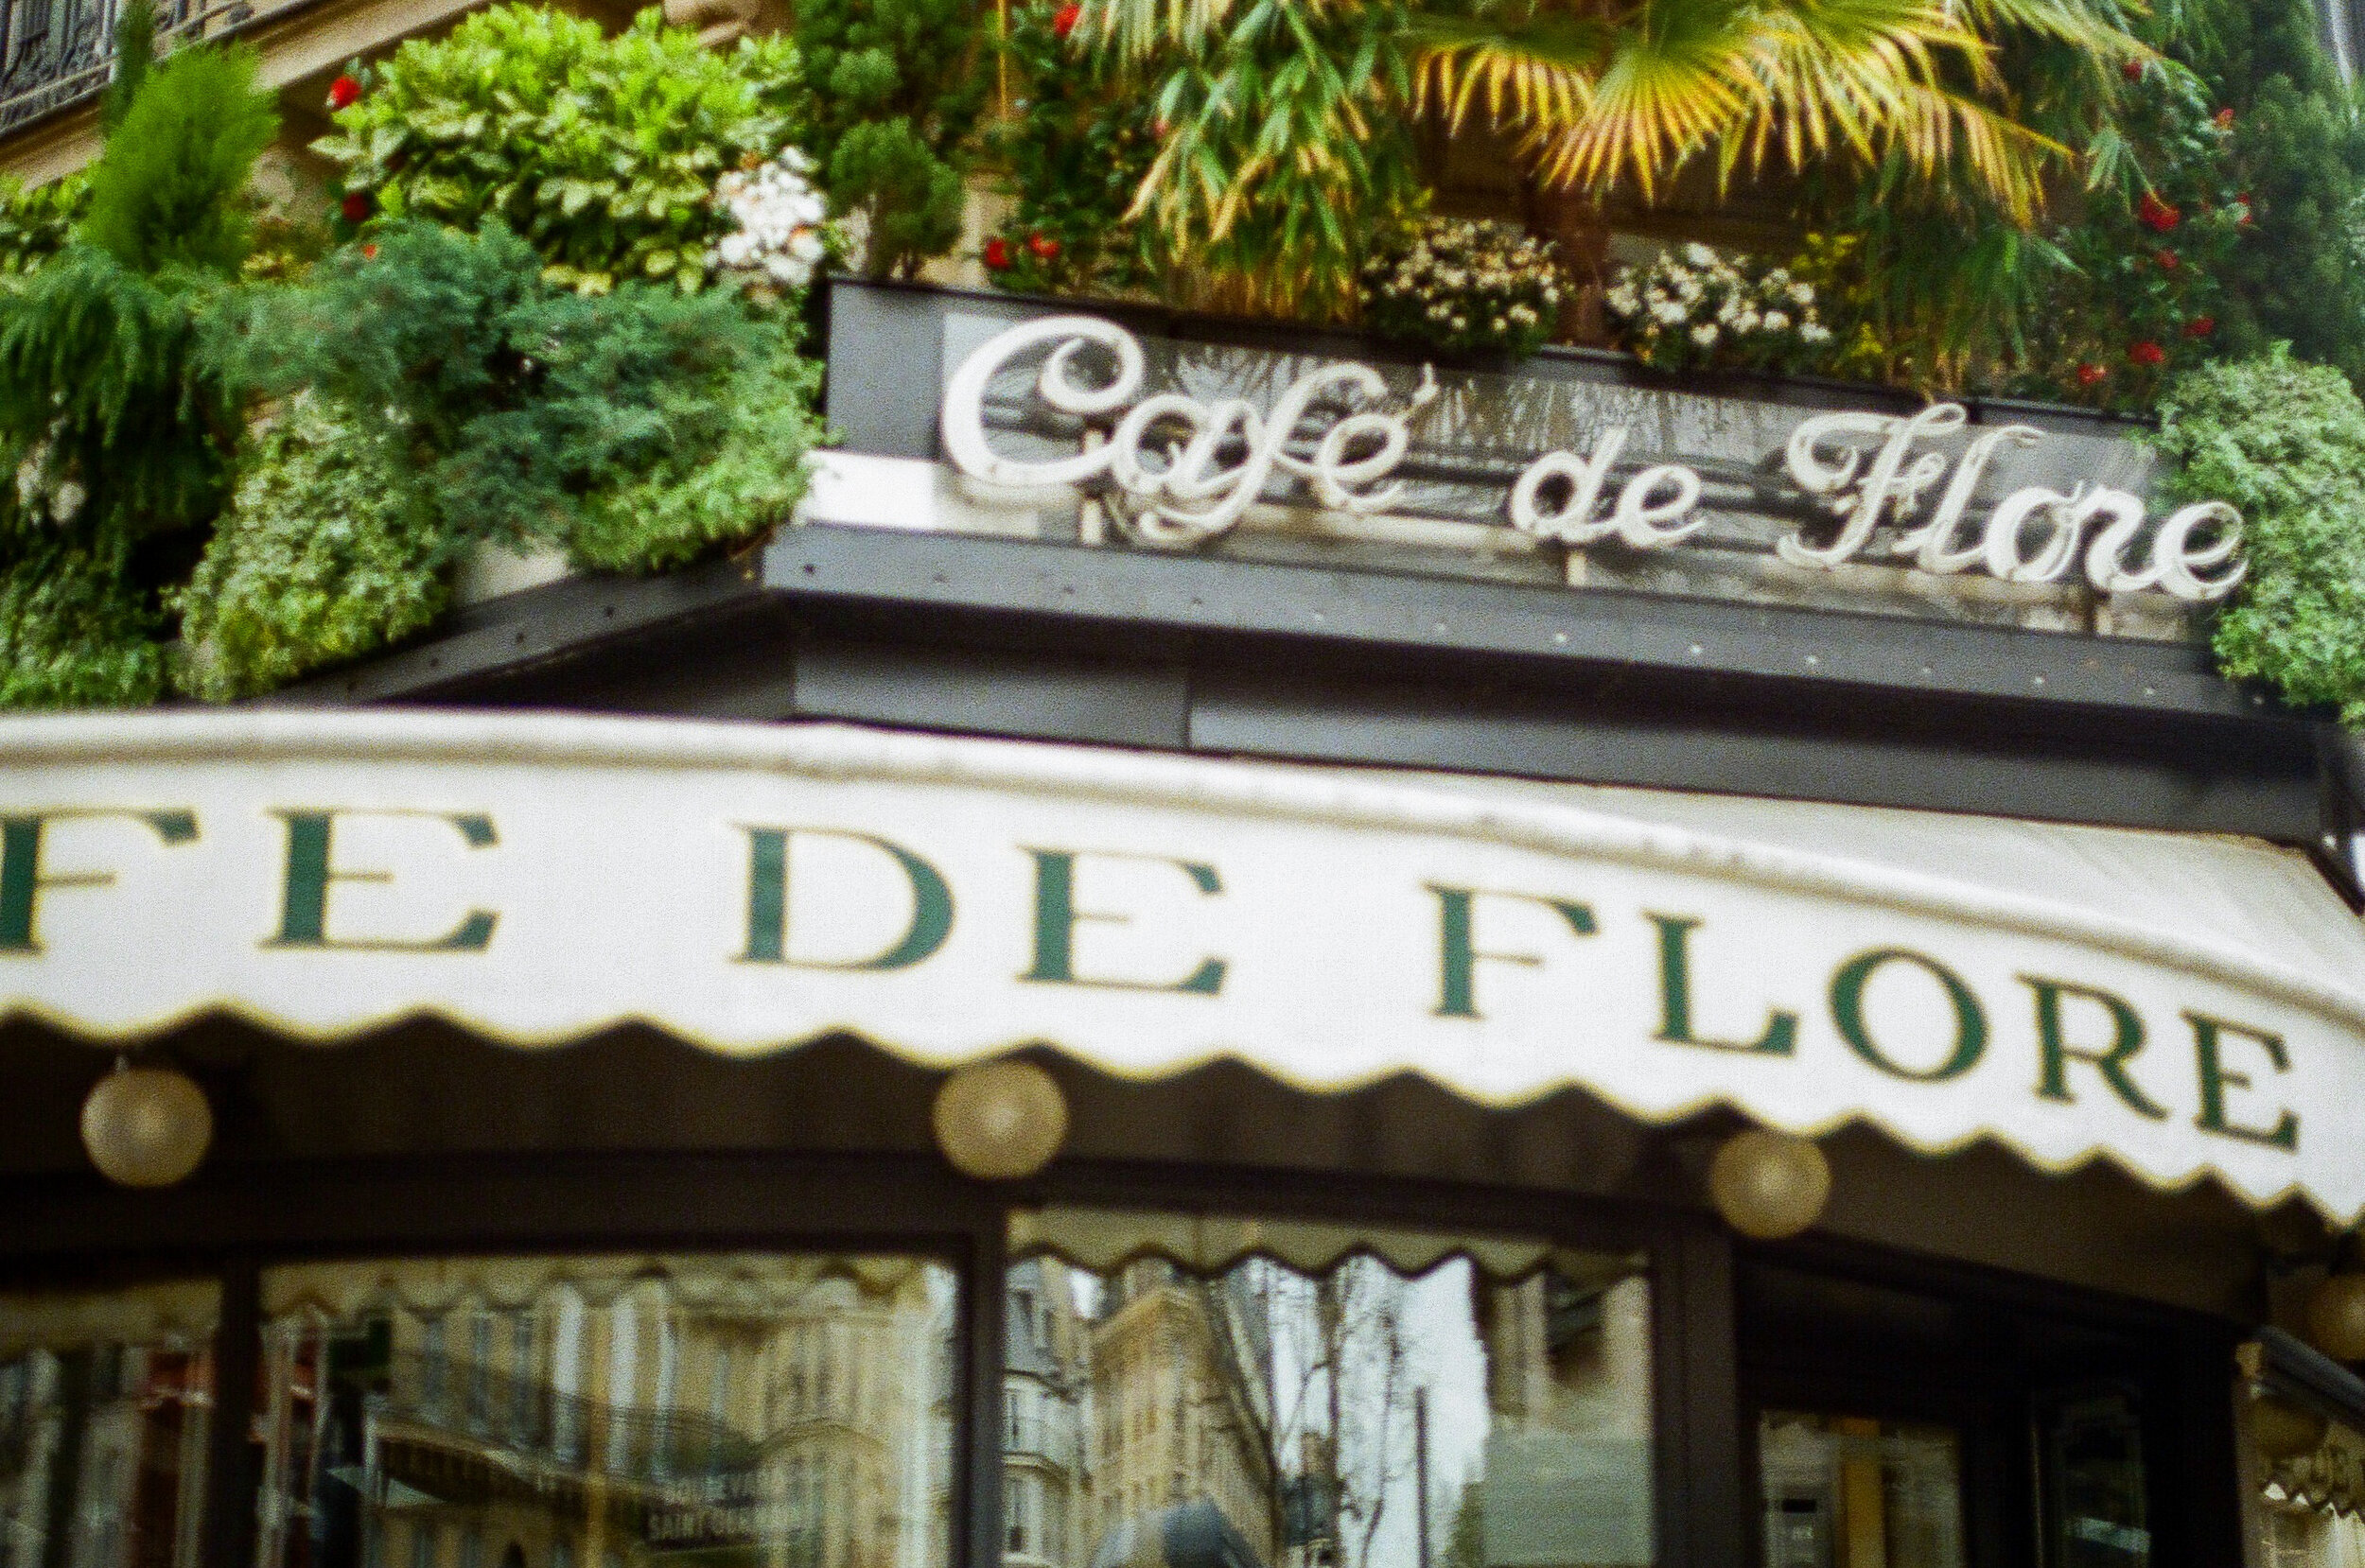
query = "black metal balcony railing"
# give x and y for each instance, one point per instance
(527, 1417)
(58, 53)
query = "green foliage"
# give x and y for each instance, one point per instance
(2143, 294)
(897, 93)
(73, 636)
(168, 191)
(1076, 151)
(1285, 153)
(637, 428)
(36, 224)
(2285, 442)
(601, 151)
(109, 404)
(2298, 152)
(323, 554)
(135, 56)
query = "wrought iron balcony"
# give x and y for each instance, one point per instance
(58, 53)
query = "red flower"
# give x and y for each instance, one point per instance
(1162, 128)
(2145, 353)
(342, 92)
(2132, 70)
(2242, 203)
(998, 255)
(355, 207)
(2088, 374)
(2224, 119)
(2167, 259)
(369, 253)
(1063, 20)
(2200, 326)
(2150, 210)
(1044, 246)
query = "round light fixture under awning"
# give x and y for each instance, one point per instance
(2180, 1005)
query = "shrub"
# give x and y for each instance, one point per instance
(324, 553)
(2285, 442)
(169, 191)
(107, 397)
(602, 152)
(897, 93)
(636, 429)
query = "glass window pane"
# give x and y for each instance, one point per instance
(741, 1411)
(103, 1421)
(2091, 1463)
(1377, 1401)
(1850, 1492)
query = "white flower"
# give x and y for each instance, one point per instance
(1814, 332)
(1777, 321)
(1801, 293)
(1705, 333)
(1699, 254)
(67, 501)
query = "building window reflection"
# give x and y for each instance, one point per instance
(1186, 1393)
(104, 1406)
(622, 1412)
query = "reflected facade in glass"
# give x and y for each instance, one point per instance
(775, 1411)
(1852, 1491)
(105, 1406)
(1343, 1413)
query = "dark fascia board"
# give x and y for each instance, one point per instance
(555, 623)
(1139, 593)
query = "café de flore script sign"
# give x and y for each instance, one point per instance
(749, 887)
(1179, 470)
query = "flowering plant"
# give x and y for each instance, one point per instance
(1075, 148)
(778, 235)
(1457, 283)
(2143, 284)
(1698, 308)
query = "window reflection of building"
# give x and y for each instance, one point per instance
(1155, 1418)
(102, 1454)
(1849, 1492)
(799, 1417)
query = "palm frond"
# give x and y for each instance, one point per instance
(1539, 69)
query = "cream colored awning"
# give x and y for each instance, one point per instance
(2183, 1006)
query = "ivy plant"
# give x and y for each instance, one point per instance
(324, 553)
(602, 152)
(2284, 441)
(75, 634)
(36, 223)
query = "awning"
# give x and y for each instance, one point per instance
(2183, 1006)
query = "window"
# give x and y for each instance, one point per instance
(1302, 1395)
(104, 1424)
(624, 1377)
(1852, 1491)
